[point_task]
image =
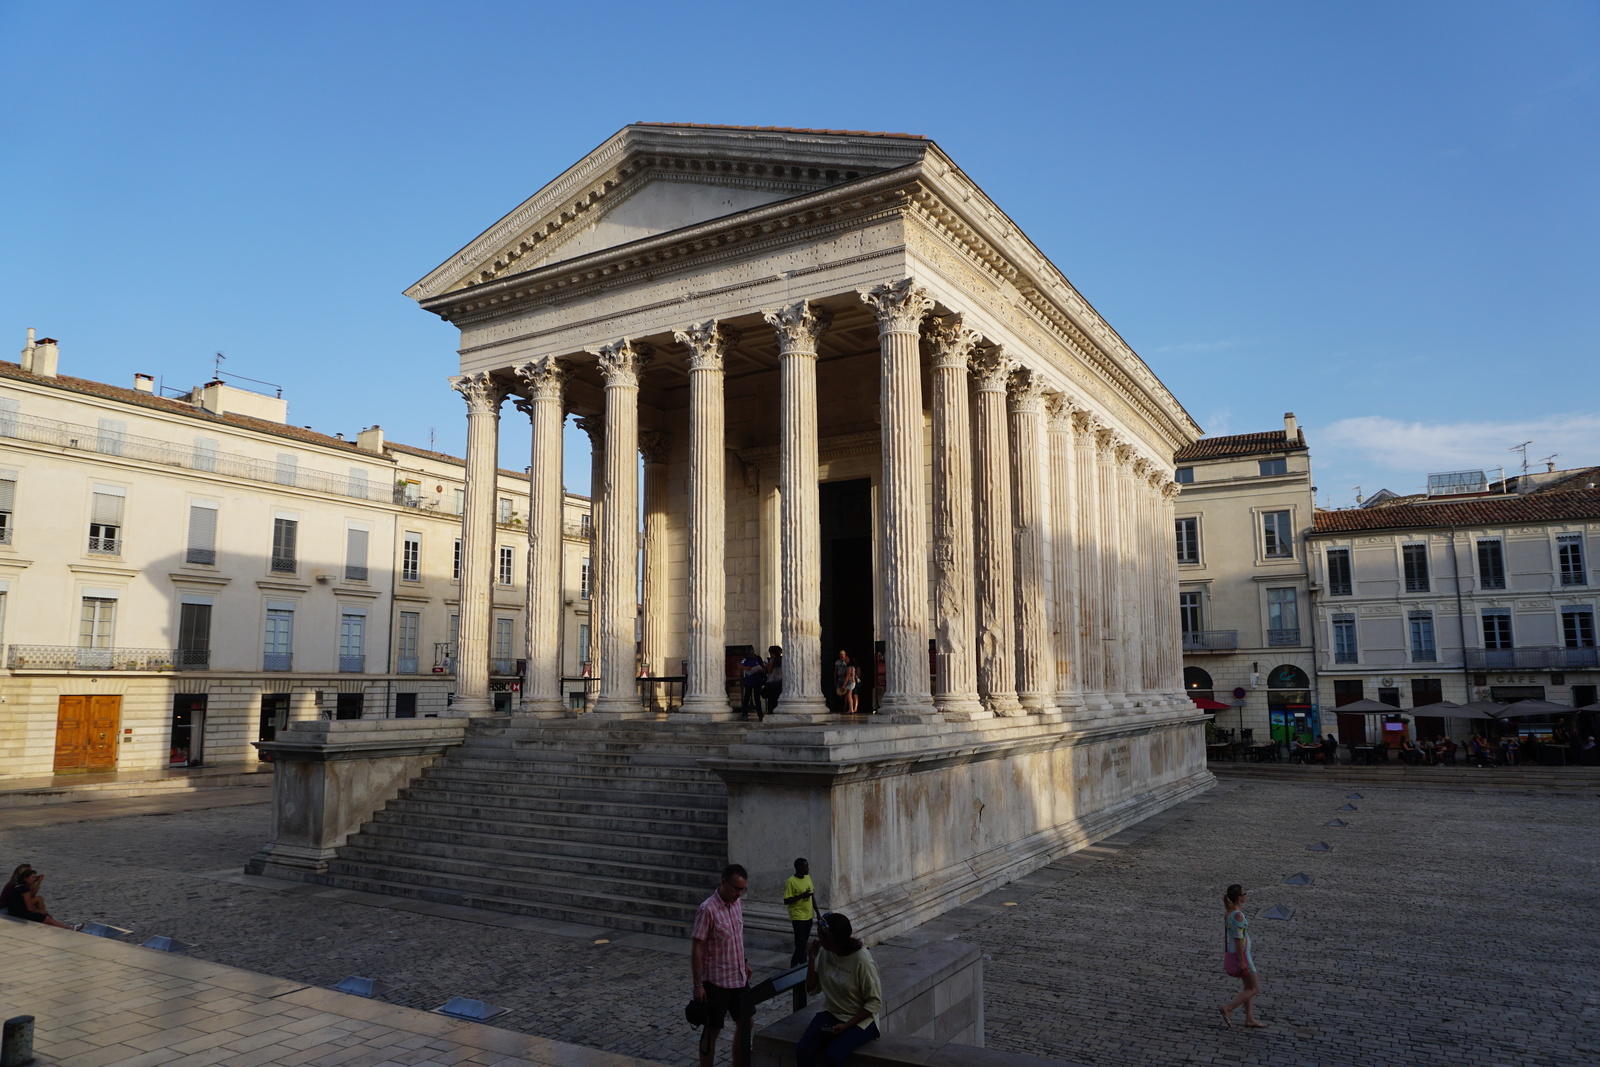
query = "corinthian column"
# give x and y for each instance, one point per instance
(1144, 607)
(653, 445)
(800, 326)
(899, 308)
(706, 694)
(955, 690)
(1090, 622)
(997, 668)
(1172, 664)
(594, 427)
(543, 380)
(1111, 633)
(1035, 681)
(620, 364)
(1063, 553)
(483, 394)
(1131, 626)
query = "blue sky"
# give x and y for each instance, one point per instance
(1380, 216)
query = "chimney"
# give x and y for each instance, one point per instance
(27, 352)
(144, 383)
(45, 357)
(370, 439)
(1291, 428)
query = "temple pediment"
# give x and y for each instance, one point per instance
(650, 179)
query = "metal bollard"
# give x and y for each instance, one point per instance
(16, 1046)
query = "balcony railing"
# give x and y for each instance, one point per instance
(1346, 657)
(1533, 659)
(206, 557)
(406, 665)
(283, 564)
(355, 574)
(73, 658)
(277, 661)
(110, 546)
(504, 667)
(1288, 636)
(352, 664)
(1424, 655)
(1211, 640)
(581, 530)
(194, 659)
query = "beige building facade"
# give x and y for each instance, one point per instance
(183, 576)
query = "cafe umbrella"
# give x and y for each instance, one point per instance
(1527, 709)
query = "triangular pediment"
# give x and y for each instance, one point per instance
(651, 179)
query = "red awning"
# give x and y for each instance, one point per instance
(1207, 704)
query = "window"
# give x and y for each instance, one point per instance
(411, 558)
(1577, 627)
(357, 485)
(409, 493)
(202, 547)
(503, 511)
(9, 410)
(455, 566)
(1270, 467)
(1188, 540)
(1422, 647)
(1283, 617)
(1277, 541)
(8, 503)
(113, 437)
(205, 454)
(1491, 565)
(285, 534)
(455, 632)
(1339, 572)
(502, 647)
(458, 501)
(1496, 629)
(1344, 639)
(508, 561)
(405, 705)
(194, 636)
(1569, 549)
(1414, 558)
(97, 622)
(352, 642)
(105, 520)
(355, 555)
(586, 524)
(583, 581)
(408, 641)
(1183, 475)
(279, 638)
(583, 641)
(287, 468)
(1189, 613)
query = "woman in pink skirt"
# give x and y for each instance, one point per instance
(1236, 958)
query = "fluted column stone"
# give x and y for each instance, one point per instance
(543, 380)
(620, 365)
(800, 326)
(653, 446)
(955, 691)
(899, 308)
(483, 394)
(1131, 629)
(1172, 668)
(705, 694)
(1035, 657)
(996, 588)
(1111, 621)
(594, 428)
(1149, 633)
(1092, 660)
(1063, 554)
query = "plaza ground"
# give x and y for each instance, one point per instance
(1443, 926)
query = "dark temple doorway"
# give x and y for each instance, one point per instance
(846, 512)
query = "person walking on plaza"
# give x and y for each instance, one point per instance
(842, 970)
(800, 895)
(717, 965)
(1236, 958)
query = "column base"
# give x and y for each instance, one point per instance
(464, 707)
(1005, 706)
(964, 707)
(1036, 703)
(620, 709)
(546, 707)
(909, 709)
(792, 712)
(704, 709)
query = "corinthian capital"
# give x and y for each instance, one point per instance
(800, 326)
(899, 305)
(1058, 409)
(1025, 390)
(707, 342)
(1084, 424)
(594, 426)
(543, 377)
(622, 363)
(1123, 452)
(653, 445)
(1105, 441)
(991, 367)
(1170, 490)
(951, 342)
(481, 390)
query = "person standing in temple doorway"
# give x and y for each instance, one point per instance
(773, 690)
(752, 677)
(800, 895)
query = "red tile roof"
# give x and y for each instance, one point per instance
(1534, 507)
(1240, 444)
(782, 129)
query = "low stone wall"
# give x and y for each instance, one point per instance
(331, 776)
(901, 823)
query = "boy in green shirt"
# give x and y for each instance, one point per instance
(798, 893)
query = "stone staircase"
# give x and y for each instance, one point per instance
(611, 824)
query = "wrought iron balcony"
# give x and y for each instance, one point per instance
(1346, 657)
(73, 658)
(277, 661)
(1532, 659)
(406, 665)
(194, 659)
(108, 546)
(204, 556)
(1211, 641)
(283, 564)
(352, 664)
(504, 667)
(1288, 636)
(1424, 655)
(355, 574)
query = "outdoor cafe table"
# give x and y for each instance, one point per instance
(1258, 751)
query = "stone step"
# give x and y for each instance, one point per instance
(475, 897)
(603, 783)
(526, 883)
(579, 763)
(631, 865)
(578, 838)
(642, 819)
(612, 802)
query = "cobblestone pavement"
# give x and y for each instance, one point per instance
(1442, 927)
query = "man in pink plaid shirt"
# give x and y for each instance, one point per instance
(716, 959)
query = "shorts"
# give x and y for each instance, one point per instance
(722, 1002)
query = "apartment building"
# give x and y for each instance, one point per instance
(1475, 590)
(183, 575)
(1243, 593)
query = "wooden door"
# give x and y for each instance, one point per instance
(72, 734)
(105, 724)
(1352, 728)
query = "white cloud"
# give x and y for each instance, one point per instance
(1218, 422)
(1415, 449)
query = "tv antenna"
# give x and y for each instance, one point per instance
(1358, 494)
(216, 372)
(1522, 450)
(1550, 462)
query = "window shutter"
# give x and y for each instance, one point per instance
(107, 510)
(355, 566)
(202, 534)
(8, 491)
